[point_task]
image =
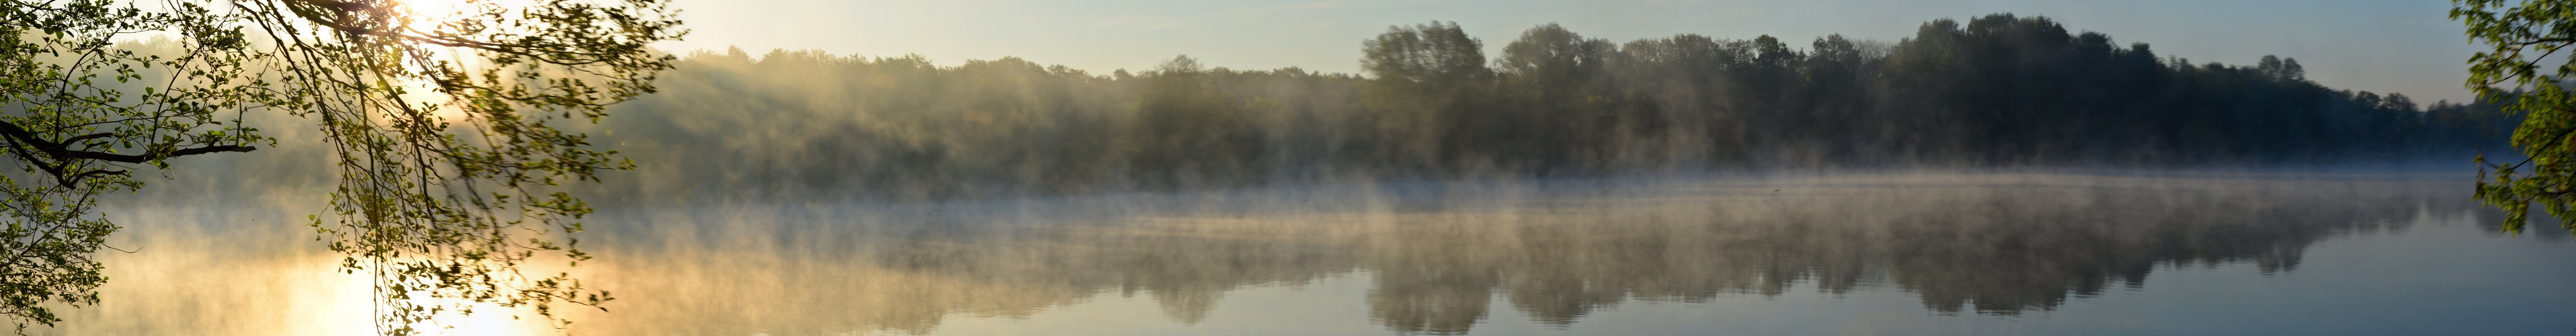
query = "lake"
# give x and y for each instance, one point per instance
(1885, 253)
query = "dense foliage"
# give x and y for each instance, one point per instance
(1998, 90)
(2521, 35)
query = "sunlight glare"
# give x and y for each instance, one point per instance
(426, 16)
(436, 10)
(488, 319)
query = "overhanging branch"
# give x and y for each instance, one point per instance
(54, 156)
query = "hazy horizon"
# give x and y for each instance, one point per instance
(1627, 167)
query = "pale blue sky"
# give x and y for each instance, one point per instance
(2403, 46)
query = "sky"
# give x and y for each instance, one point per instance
(2403, 46)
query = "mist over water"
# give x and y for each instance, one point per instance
(1961, 250)
(1571, 186)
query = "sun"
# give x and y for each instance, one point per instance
(430, 14)
(437, 9)
(430, 18)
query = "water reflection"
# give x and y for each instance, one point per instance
(1440, 256)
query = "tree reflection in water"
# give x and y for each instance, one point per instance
(1439, 255)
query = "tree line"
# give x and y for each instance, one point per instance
(1998, 90)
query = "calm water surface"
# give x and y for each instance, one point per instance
(1861, 254)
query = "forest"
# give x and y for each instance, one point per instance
(1995, 91)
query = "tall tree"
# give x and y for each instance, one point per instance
(1420, 74)
(1553, 73)
(445, 121)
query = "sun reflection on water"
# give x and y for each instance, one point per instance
(351, 301)
(354, 302)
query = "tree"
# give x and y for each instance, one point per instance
(1437, 54)
(1190, 132)
(444, 120)
(1421, 75)
(2521, 35)
(1555, 61)
(1553, 74)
